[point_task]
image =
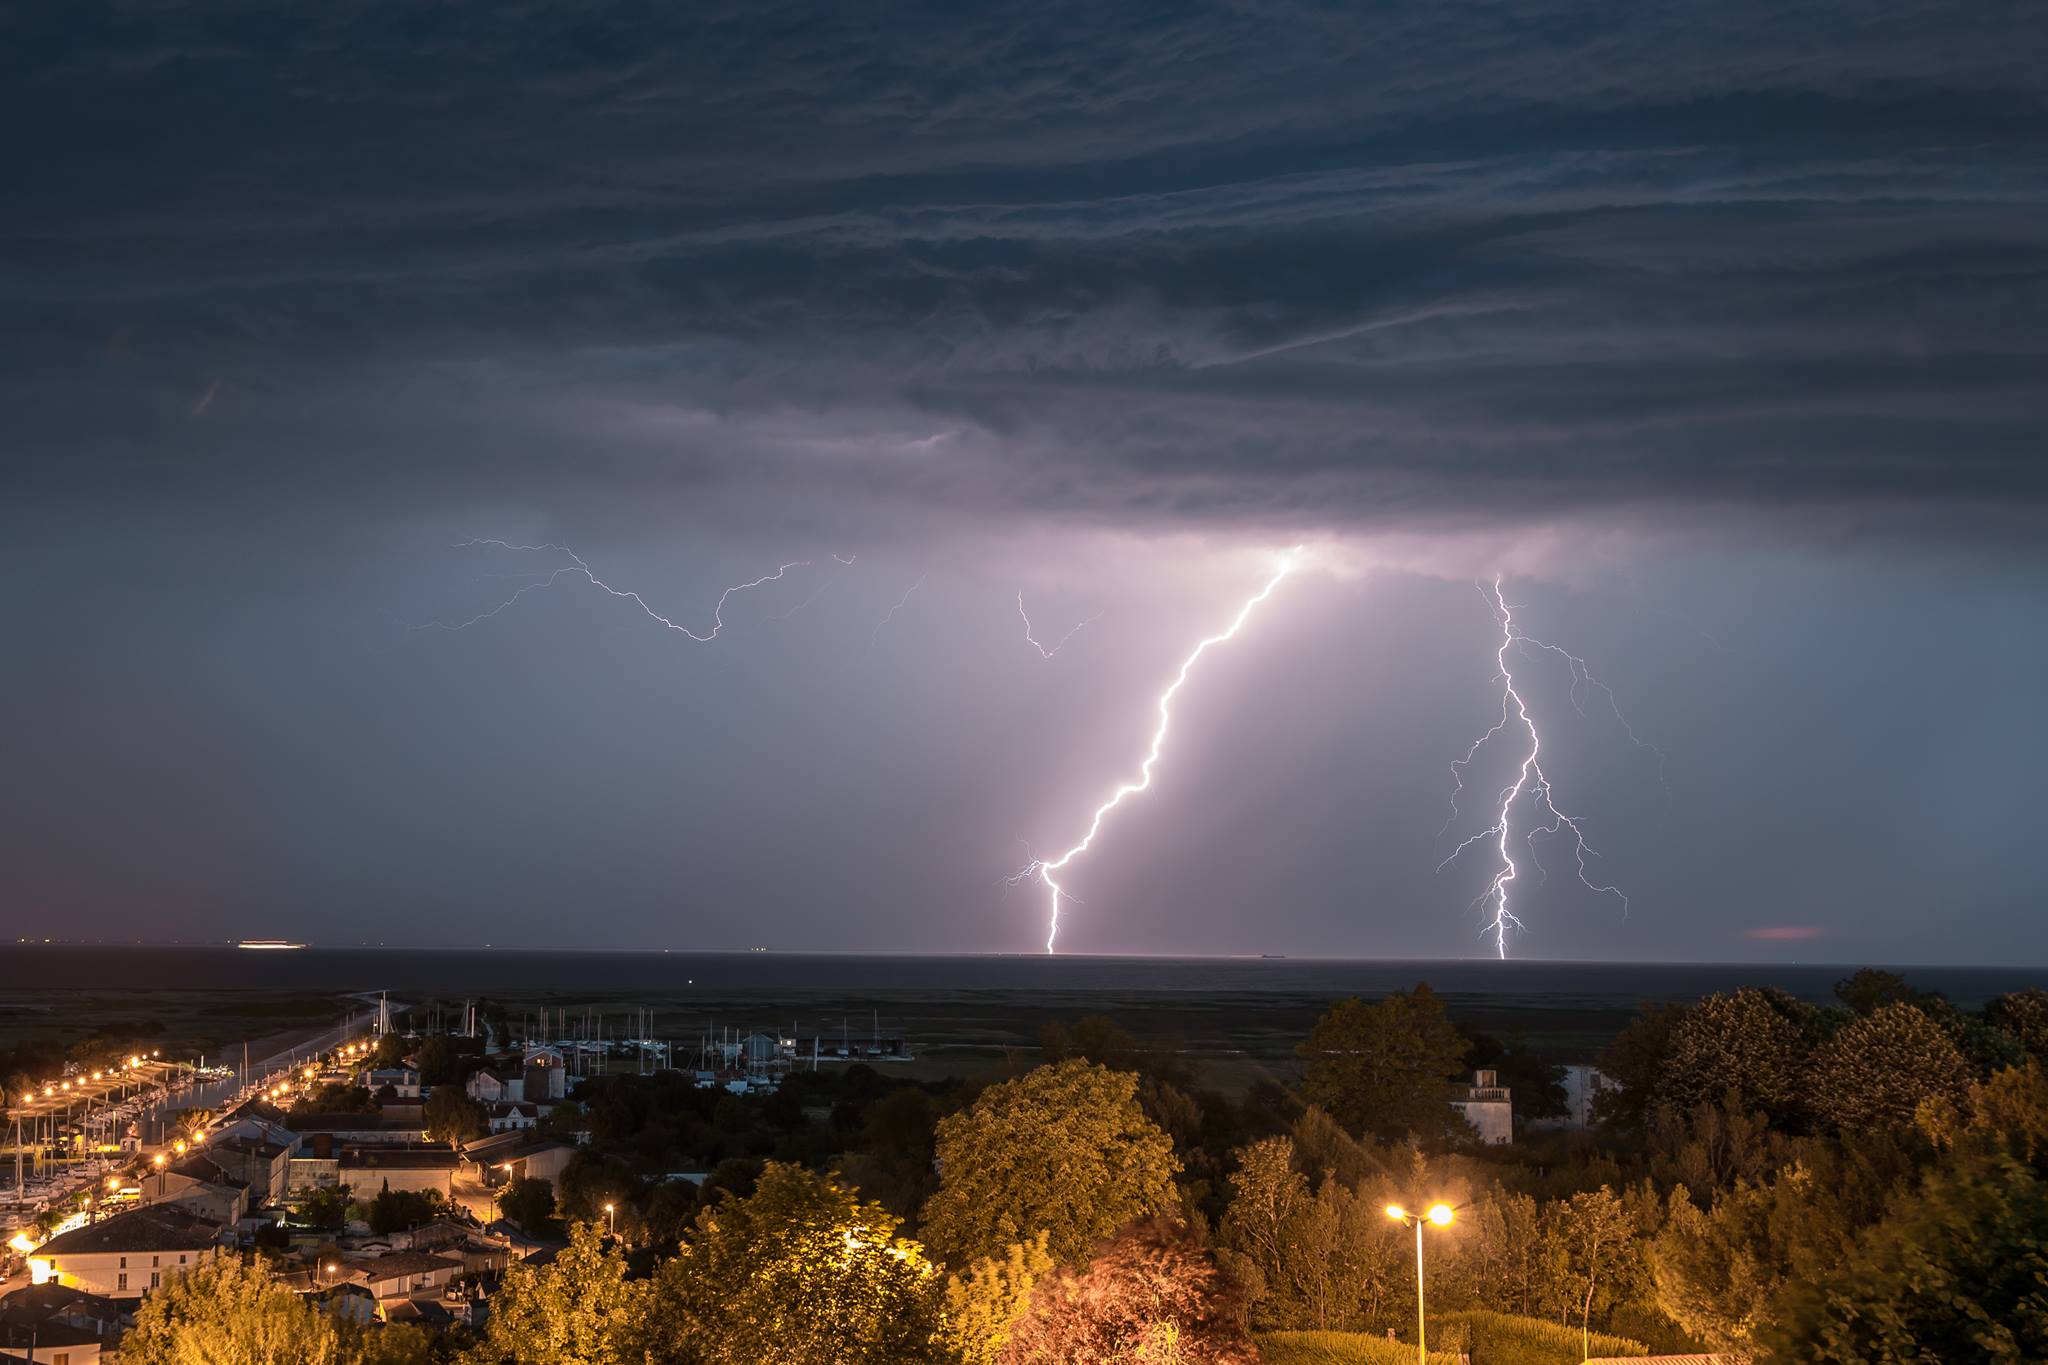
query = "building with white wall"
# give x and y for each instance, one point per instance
(1488, 1107)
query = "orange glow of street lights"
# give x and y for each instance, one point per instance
(1439, 1215)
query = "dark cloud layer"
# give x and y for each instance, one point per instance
(1132, 261)
(1720, 327)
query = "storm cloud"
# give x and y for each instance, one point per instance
(1733, 311)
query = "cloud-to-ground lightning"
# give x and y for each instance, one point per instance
(578, 568)
(1044, 868)
(901, 602)
(1032, 639)
(1531, 784)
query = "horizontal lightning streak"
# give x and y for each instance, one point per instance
(578, 568)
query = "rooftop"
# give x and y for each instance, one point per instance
(160, 1227)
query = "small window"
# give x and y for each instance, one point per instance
(156, 1279)
(181, 1258)
(121, 1282)
(156, 1260)
(124, 1263)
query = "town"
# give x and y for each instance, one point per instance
(434, 1183)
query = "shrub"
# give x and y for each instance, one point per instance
(1505, 1339)
(1340, 1348)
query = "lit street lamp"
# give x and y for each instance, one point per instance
(1438, 1215)
(611, 1218)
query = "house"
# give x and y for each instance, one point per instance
(403, 1081)
(125, 1256)
(496, 1085)
(55, 1304)
(516, 1155)
(197, 1183)
(50, 1343)
(542, 1075)
(425, 1166)
(251, 1123)
(1488, 1107)
(263, 1164)
(351, 1301)
(402, 1274)
(320, 1134)
(510, 1116)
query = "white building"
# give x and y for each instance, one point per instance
(126, 1256)
(1488, 1107)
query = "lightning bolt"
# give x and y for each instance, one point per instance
(1531, 784)
(579, 569)
(844, 561)
(901, 602)
(1044, 868)
(1032, 639)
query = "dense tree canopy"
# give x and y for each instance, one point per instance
(1877, 1069)
(1385, 1068)
(805, 1265)
(1752, 1042)
(1063, 1149)
(1959, 1272)
(228, 1312)
(580, 1310)
(1150, 1295)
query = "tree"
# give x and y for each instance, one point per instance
(1260, 1225)
(325, 1208)
(1598, 1237)
(227, 1312)
(391, 1050)
(397, 1210)
(336, 1097)
(804, 1264)
(1063, 1149)
(1878, 1068)
(1871, 989)
(441, 1063)
(897, 1140)
(1634, 1067)
(529, 1202)
(2023, 1017)
(1386, 1068)
(982, 1305)
(1092, 1038)
(452, 1116)
(1959, 1271)
(1150, 1295)
(579, 1310)
(1753, 1042)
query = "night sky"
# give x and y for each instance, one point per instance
(1720, 331)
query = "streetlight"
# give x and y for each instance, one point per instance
(1438, 1215)
(611, 1218)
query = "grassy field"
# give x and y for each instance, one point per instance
(1340, 1348)
(183, 1023)
(1495, 1339)
(1233, 1040)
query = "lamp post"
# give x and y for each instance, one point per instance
(1438, 1215)
(611, 1218)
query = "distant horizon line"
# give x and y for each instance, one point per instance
(1021, 953)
